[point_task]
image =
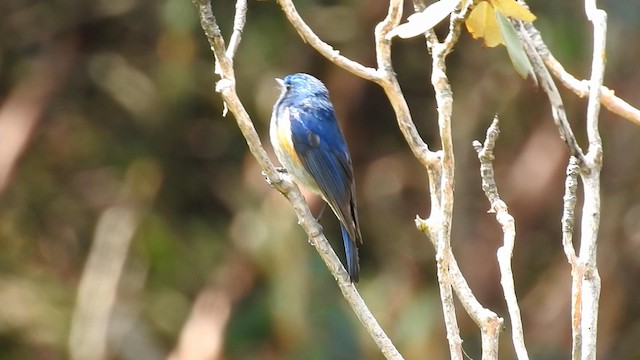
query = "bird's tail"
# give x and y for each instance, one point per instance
(351, 253)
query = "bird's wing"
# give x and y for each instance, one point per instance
(323, 152)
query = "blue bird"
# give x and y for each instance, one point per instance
(308, 142)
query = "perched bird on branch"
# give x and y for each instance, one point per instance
(309, 144)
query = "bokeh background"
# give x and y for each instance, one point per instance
(134, 224)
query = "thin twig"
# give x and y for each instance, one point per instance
(389, 83)
(489, 322)
(383, 45)
(581, 87)
(226, 87)
(446, 297)
(322, 47)
(505, 253)
(568, 212)
(441, 178)
(568, 224)
(599, 19)
(238, 25)
(444, 215)
(591, 181)
(444, 100)
(438, 225)
(555, 100)
(384, 75)
(455, 23)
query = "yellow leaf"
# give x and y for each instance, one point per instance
(513, 10)
(482, 24)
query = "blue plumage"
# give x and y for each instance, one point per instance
(310, 145)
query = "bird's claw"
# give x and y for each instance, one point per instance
(280, 170)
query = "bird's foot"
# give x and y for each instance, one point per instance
(282, 171)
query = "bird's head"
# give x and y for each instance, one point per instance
(302, 85)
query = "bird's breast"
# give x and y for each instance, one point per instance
(282, 141)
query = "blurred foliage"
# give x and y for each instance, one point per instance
(124, 114)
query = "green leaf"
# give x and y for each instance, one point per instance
(517, 55)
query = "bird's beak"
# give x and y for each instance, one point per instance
(280, 83)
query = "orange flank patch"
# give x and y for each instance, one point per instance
(286, 144)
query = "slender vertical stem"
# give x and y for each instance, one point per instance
(505, 253)
(591, 180)
(568, 224)
(238, 25)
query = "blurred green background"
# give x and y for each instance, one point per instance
(134, 224)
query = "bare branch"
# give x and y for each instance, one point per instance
(446, 297)
(438, 225)
(599, 19)
(555, 100)
(383, 45)
(389, 84)
(238, 25)
(590, 286)
(568, 213)
(591, 180)
(322, 47)
(444, 100)
(568, 222)
(384, 75)
(581, 87)
(505, 253)
(226, 87)
(586, 280)
(457, 19)
(216, 41)
(490, 323)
